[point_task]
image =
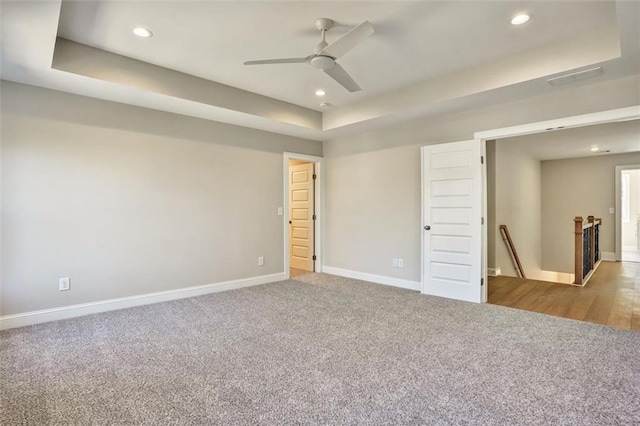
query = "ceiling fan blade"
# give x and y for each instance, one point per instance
(340, 75)
(279, 61)
(348, 41)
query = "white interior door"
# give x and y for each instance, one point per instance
(452, 220)
(301, 220)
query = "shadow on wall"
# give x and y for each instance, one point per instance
(113, 115)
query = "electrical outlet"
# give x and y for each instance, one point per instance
(64, 284)
(279, 211)
(395, 262)
(261, 261)
(400, 263)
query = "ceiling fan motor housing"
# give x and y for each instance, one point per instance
(324, 24)
(322, 62)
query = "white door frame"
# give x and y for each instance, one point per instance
(318, 207)
(618, 205)
(602, 117)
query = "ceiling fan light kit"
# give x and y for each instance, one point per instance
(322, 62)
(324, 55)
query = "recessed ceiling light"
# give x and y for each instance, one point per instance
(320, 93)
(520, 18)
(595, 149)
(142, 32)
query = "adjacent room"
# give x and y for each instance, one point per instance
(289, 212)
(630, 213)
(537, 186)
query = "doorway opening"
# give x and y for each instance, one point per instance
(611, 116)
(628, 212)
(479, 292)
(302, 214)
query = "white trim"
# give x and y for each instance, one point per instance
(494, 272)
(378, 279)
(618, 211)
(601, 117)
(319, 207)
(422, 221)
(484, 247)
(46, 315)
(554, 277)
(607, 256)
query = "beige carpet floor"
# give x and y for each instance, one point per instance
(319, 350)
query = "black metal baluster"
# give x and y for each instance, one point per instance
(586, 251)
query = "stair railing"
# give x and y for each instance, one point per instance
(587, 248)
(512, 251)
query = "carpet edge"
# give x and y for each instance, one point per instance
(72, 311)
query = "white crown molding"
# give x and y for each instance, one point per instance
(601, 117)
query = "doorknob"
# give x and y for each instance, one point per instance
(427, 227)
(289, 222)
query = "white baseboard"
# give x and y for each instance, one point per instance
(46, 315)
(608, 256)
(553, 276)
(378, 279)
(494, 272)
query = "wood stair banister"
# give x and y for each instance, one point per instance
(587, 248)
(578, 261)
(512, 250)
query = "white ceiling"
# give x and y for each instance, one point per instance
(423, 59)
(611, 138)
(413, 41)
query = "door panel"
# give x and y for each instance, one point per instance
(300, 195)
(452, 212)
(301, 186)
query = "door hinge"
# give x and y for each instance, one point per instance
(314, 176)
(314, 217)
(482, 159)
(481, 282)
(482, 221)
(314, 257)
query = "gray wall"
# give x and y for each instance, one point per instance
(577, 187)
(493, 233)
(372, 202)
(127, 201)
(518, 205)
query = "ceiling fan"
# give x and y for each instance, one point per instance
(324, 55)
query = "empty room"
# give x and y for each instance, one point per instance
(265, 212)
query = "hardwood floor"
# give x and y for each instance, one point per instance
(611, 297)
(293, 272)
